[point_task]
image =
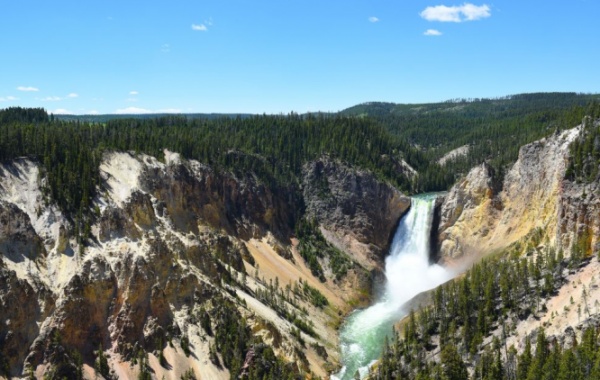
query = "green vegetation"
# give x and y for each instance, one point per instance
(145, 369)
(486, 302)
(273, 148)
(494, 129)
(585, 151)
(188, 375)
(232, 336)
(314, 295)
(63, 363)
(489, 299)
(285, 303)
(185, 345)
(233, 341)
(314, 248)
(101, 364)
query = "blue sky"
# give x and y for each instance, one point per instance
(289, 55)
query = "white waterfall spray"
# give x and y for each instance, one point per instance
(408, 273)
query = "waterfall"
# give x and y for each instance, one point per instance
(408, 273)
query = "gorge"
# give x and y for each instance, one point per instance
(128, 251)
(408, 272)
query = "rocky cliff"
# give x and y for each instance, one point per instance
(354, 210)
(534, 204)
(179, 254)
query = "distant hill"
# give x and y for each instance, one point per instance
(106, 117)
(478, 107)
(493, 129)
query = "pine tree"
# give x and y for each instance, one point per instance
(101, 364)
(541, 355)
(453, 365)
(524, 362)
(569, 369)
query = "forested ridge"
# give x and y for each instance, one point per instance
(585, 151)
(274, 148)
(493, 129)
(374, 136)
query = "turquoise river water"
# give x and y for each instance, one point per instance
(408, 273)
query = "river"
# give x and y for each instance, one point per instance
(408, 272)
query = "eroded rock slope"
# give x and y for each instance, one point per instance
(179, 254)
(534, 204)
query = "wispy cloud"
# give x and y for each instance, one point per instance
(62, 111)
(28, 89)
(432, 32)
(457, 13)
(8, 99)
(165, 48)
(199, 27)
(133, 93)
(93, 112)
(73, 95)
(373, 19)
(131, 100)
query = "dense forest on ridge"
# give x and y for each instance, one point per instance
(493, 129)
(273, 148)
(380, 137)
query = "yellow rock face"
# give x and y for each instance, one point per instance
(476, 220)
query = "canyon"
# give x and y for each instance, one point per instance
(178, 247)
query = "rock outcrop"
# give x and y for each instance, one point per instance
(355, 210)
(479, 217)
(20, 312)
(172, 245)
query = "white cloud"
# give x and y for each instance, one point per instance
(28, 89)
(51, 99)
(201, 27)
(131, 100)
(73, 95)
(373, 19)
(133, 93)
(62, 111)
(432, 32)
(457, 13)
(8, 99)
(93, 112)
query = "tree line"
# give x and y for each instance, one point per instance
(493, 129)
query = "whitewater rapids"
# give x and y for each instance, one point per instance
(408, 272)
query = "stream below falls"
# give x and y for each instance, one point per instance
(408, 272)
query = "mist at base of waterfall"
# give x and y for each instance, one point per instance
(408, 273)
